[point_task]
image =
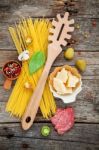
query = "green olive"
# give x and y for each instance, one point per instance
(81, 64)
(69, 53)
(45, 131)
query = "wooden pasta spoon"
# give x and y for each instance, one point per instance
(57, 38)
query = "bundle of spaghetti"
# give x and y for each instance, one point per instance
(38, 30)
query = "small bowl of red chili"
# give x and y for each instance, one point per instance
(11, 71)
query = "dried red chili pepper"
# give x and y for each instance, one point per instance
(94, 23)
(12, 70)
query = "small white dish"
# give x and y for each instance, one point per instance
(70, 98)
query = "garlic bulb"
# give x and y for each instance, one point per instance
(24, 56)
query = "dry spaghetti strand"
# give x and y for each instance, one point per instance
(38, 31)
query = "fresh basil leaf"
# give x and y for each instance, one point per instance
(36, 61)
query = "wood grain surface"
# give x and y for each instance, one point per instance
(85, 40)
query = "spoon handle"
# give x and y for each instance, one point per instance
(32, 108)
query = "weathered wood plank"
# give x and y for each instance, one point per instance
(88, 93)
(92, 58)
(42, 144)
(92, 73)
(81, 133)
(89, 43)
(10, 9)
(10, 12)
(96, 102)
(84, 106)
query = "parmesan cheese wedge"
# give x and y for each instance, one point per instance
(72, 80)
(68, 90)
(62, 75)
(70, 98)
(60, 87)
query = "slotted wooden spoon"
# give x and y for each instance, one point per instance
(57, 38)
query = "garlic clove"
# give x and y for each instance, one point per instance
(27, 85)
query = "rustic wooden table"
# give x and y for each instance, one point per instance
(85, 134)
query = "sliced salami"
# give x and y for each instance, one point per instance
(56, 117)
(63, 120)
